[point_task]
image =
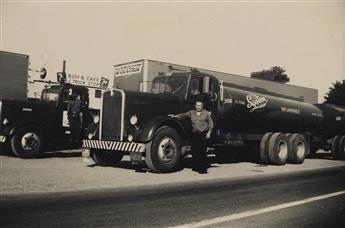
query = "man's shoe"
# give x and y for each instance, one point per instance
(203, 171)
(195, 169)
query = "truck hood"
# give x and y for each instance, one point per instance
(147, 105)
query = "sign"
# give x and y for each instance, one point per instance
(256, 102)
(128, 69)
(88, 81)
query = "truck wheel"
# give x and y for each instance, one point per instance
(278, 149)
(298, 148)
(106, 157)
(27, 142)
(335, 146)
(165, 152)
(341, 148)
(264, 148)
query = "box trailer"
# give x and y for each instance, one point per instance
(138, 76)
(13, 75)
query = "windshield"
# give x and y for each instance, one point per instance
(50, 94)
(170, 85)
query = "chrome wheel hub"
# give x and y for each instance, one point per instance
(282, 150)
(30, 141)
(167, 150)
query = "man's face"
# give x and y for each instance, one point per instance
(199, 106)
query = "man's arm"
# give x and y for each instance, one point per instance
(181, 115)
(210, 125)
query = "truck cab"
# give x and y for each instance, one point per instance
(135, 123)
(28, 127)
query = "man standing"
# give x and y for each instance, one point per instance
(73, 113)
(202, 125)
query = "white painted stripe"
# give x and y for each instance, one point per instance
(131, 147)
(135, 147)
(126, 147)
(113, 146)
(117, 145)
(122, 146)
(231, 217)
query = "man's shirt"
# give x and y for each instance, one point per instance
(200, 123)
(74, 107)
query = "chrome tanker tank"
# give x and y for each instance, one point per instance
(245, 111)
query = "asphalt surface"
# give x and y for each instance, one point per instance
(178, 204)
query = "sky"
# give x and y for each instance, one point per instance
(306, 38)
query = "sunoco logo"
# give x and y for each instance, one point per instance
(256, 102)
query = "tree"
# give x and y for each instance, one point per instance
(276, 73)
(336, 94)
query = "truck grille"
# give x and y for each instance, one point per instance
(111, 116)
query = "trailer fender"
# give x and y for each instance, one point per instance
(148, 129)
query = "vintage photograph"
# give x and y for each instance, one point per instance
(172, 113)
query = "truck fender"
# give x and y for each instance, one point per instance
(147, 129)
(33, 124)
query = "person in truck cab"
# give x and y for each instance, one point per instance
(202, 125)
(73, 113)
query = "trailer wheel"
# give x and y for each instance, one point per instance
(298, 148)
(106, 157)
(341, 148)
(335, 146)
(27, 142)
(164, 154)
(264, 148)
(278, 149)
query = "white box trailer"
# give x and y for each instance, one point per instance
(138, 76)
(13, 75)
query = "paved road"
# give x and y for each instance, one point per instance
(172, 205)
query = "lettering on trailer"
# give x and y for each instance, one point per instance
(128, 69)
(291, 110)
(256, 102)
(89, 81)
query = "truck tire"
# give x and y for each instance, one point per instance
(27, 142)
(298, 148)
(106, 157)
(278, 149)
(164, 154)
(264, 158)
(341, 148)
(335, 146)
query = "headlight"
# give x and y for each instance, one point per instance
(96, 119)
(134, 120)
(130, 138)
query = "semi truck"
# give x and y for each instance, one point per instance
(30, 126)
(281, 128)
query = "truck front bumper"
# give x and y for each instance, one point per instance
(136, 150)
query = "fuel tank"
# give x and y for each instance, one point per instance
(248, 112)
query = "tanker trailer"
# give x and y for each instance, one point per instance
(282, 127)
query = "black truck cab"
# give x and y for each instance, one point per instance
(29, 126)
